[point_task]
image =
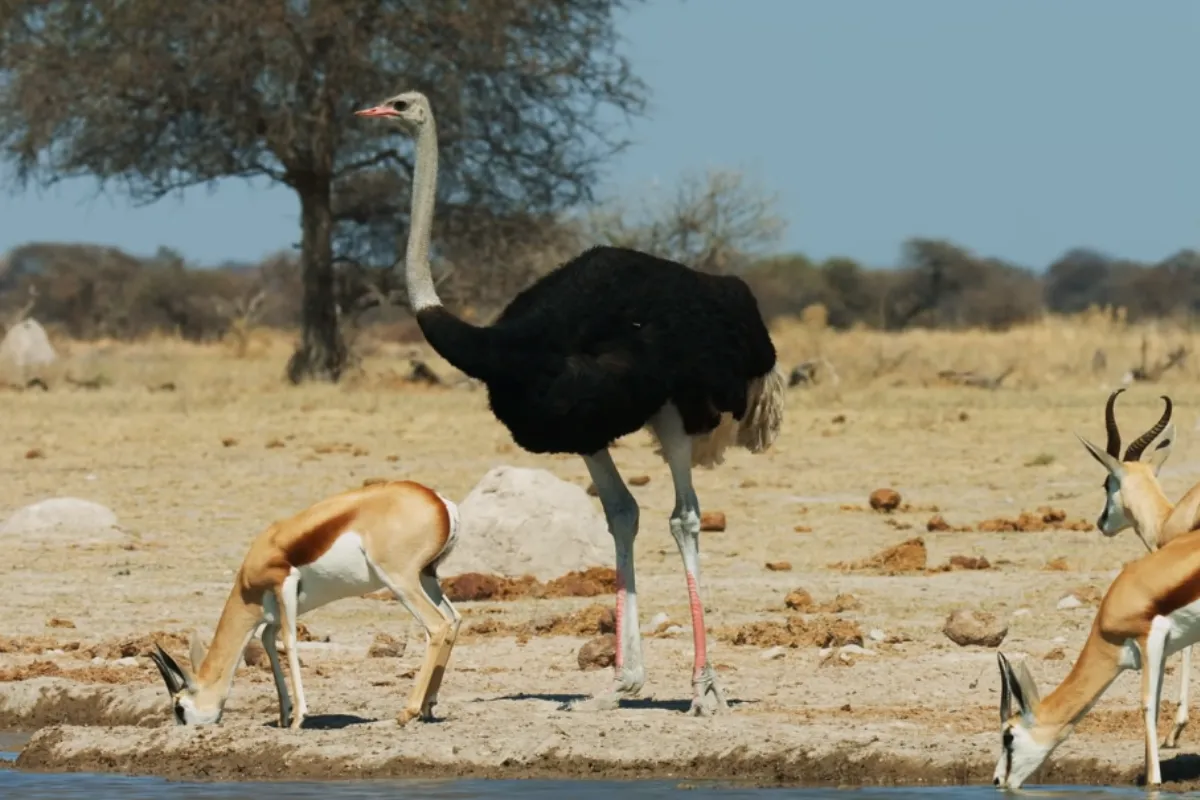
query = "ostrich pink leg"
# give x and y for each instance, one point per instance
(707, 695)
(621, 511)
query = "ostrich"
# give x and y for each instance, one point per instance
(613, 341)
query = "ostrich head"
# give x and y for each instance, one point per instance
(410, 109)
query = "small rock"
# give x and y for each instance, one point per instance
(254, 655)
(598, 653)
(228, 441)
(374, 481)
(773, 653)
(672, 630)
(802, 529)
(1069, 602)
(35, 452)
(966, 627)
(885, 500)
(798, 600)
(1020, 612)
(639, 480)
(1057, 565)
(856, 650)
(779, 566)
(386, 646)
(655, 622)
(126, 661)
(1057, 654)
(712, 521)
(1059, 640)
(876, 635)
(937, 523)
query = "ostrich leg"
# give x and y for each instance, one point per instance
(621, 511)
(707, 696)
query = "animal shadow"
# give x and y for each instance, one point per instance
(1183, 768)
(640, 703)
(326, 722)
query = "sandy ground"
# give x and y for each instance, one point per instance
(194, 473)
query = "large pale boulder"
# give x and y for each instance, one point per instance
(26, 349)
(520, 521)
(63, 520)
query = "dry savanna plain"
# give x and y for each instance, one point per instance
(825, 615)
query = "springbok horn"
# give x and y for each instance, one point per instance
(1134, 451)
(1110, 424)
(167, 668)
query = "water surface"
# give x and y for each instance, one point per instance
(89, 786)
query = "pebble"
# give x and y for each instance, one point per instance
(773, 653)
(877, 635)
(1068, 602)
(854, 649)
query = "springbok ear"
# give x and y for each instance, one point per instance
(195, 652)
(1029, 690)
(1111, 464)
(1158, 455)
(172, 675)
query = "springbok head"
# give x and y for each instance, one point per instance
(1129, 477)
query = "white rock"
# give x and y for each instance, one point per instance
(857, 650)
(1020, 612)
(126, 661)
(673, 630)
(877, 635)
(773, 653)
(26, 349)
(519, 521)
(1068, 602)
(655, 621)
(63, 520)
(1059, 640)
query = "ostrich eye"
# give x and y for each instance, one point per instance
(400, 105)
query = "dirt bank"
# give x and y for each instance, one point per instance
(733, 750)
(525, 736)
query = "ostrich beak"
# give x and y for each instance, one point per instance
(377, 111)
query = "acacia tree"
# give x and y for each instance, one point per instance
(153, 96)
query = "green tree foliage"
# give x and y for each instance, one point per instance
(155, 96)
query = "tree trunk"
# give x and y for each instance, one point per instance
(322, 354)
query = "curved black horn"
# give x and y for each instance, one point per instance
(1110, 424)
(167, 668)
(1134, 451)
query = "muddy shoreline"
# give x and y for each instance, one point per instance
(121, 730)
(55, 750)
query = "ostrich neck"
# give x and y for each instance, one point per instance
(421, 291)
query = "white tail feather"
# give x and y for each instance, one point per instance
(756, 431)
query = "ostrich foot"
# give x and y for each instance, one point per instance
(708, 698)
(628, 684)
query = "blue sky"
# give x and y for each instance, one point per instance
(1018, 129)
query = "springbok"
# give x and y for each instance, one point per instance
(1134, 499)
(1150, 611)
(391, 536)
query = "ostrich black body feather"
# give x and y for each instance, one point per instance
(592, 350)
